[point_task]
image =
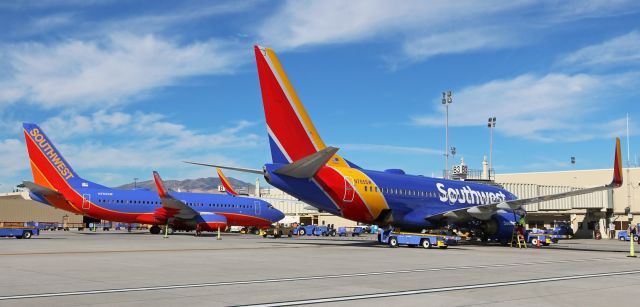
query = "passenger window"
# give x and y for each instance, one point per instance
(365, 188)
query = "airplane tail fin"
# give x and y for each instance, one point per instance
(162, 191)
(48, 166)
(225, 183)
(292, 135)
(617, 166)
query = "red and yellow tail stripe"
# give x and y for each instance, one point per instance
(287, 120)
(225, 183)
(617, 166)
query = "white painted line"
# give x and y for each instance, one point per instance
(436, 290)
(290, 279)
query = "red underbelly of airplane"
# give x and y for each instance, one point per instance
(212, 226)
(245, 220)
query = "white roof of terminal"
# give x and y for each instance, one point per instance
(569, 171)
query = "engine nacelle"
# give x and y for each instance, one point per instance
(499, 226)
(211, 222)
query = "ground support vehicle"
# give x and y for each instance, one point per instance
(623, 235)
(357, 231)
(19, 232)
(563, 229)
(304, 230)
(342, 231)
(278, 231)
(544, 239)
(324, 231)
(425, 240)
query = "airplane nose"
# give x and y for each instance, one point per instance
(277, 215)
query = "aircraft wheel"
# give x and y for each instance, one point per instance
(425, 243)
(393, 242)
(155, 229)
(302, 232)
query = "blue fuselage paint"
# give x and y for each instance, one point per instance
(411, 198)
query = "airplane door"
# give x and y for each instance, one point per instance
(256, 206)
(86, 202)
(349, 192)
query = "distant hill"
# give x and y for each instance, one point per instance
(207, 185)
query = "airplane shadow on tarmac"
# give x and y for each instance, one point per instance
(330, 242)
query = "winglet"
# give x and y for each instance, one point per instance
(617, 166)
(162, 191)
(225, 183)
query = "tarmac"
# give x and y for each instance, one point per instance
(140, 269)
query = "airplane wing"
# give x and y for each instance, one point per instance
(225, 183)
(172, 207)
(239, 169)
(486, 211)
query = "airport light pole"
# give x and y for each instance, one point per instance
(446, 101)
(491, 123)
(135, 182)
(453, 153)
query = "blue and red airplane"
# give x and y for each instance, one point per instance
(303, 166)
(57, 184)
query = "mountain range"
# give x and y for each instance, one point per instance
(205, 185)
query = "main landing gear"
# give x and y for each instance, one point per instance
(155, 229)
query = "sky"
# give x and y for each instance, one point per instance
(127, 87)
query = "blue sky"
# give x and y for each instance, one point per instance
(124, 88)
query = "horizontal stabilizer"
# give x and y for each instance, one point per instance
(239, 169)
(40, 190)
(308, 166)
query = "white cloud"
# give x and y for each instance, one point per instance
(379, 148)
(112, 143)
(173, 17)
(303, 23)
(14, 160)
(458, 42)
(152, 127)
(89, 73)
(424, 28)
(621, 50)
(543, 108)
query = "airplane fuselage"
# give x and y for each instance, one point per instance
(366, 196)
(143, 206)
